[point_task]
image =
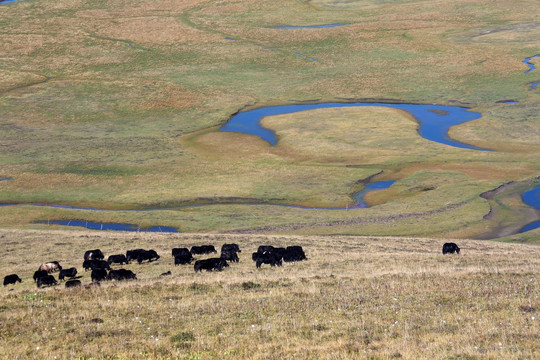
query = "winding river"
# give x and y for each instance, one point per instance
(532, 198)
(434, 120)
(110, 226)
(310, 26)
(357, 197)
(527, 62)
(434, 123)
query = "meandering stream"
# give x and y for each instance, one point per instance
(532, 198)
(358, 198)
(531, 66)
(110, 226)
(310, 26)
(434, 120)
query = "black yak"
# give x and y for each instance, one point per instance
(450, 248)
(11, 279)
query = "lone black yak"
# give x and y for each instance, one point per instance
(450, 248)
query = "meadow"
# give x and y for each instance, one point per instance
(354, 298)
(117, 105)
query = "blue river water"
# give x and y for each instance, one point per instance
(6, 1)
(527, 62)
(533, 85)
(310, 26)
(434, 120)
(357, 197)
(110, 226)
(532, 198)
(307, 57)
(531, 226)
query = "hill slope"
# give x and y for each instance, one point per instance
(355, 297)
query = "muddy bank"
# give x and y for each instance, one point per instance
(527, 216)
(521, 219)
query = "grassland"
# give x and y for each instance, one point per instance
(355, 298)
(117, 105)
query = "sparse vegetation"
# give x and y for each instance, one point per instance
(356, 297)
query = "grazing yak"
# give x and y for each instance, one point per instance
(73, 283)
(229, 255)
(450, 248)
(48, 280)
(11, 279)
(294, 253)
(182, 256)
(228, 252)
(182, 260)
(132, 254)
(70, 273)
(210, 264)
(93, 255)
(149, 255)
(140, 255)
(267, 257)
(117, 259)
(121, 274)
(203, 250)
(40, 273)
(181, 251)
(95, 264)
(267, 254)
(50, 266)
(98, 275)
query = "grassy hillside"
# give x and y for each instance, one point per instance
(117, 105)
(355, 297)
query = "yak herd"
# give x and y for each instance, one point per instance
(94, 261)
(101, 269)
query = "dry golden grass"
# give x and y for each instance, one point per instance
(355, 297)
